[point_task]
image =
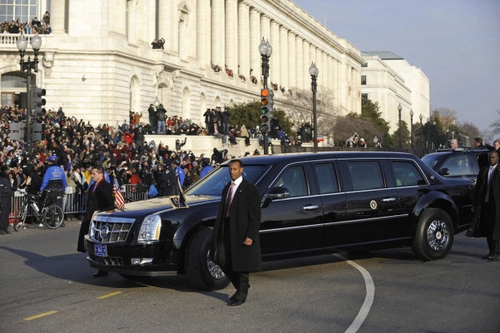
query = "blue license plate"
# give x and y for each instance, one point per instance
(100, 250)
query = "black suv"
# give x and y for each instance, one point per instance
(458, 163)
(311, 204)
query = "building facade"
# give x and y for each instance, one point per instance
(98, 62)
(390, 80)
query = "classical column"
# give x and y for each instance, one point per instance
(244, 40)
(292, 61)
(265, 29)
(57, 18)
(165, 26)
(218, 54)
(255, 39)
(331, 75)
(231, 33)
(306, 83)
(274, 62)
(299, 72)
(203, 46)
(283, 58)
(324, 64)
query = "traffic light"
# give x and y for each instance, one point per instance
(266, 109)
(37, 100)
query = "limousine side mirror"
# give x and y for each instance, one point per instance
(444, 171)
(275, 193)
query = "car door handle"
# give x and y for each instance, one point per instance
(312, 207)
(388, 199)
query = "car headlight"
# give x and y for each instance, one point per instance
(150, 228)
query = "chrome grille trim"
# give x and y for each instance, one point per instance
(110, 231)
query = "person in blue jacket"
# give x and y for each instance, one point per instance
(53, 179)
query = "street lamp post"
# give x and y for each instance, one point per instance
(421, 132)
(399, 124)
(314, 71)
(265, 50)
(411, 129)
(27, 66)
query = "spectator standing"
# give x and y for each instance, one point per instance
(152, 117)
(100, 197)
(165, 179)
(207, 167)
(161, 115)
(179, 172)
(5, 200)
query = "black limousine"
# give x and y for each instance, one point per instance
(312, 203)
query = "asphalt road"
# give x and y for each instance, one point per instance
(46, 286)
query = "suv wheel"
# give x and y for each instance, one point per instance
(434, 236)
(201, 272)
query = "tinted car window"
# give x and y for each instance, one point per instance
(325, 173)
(213, 185)
(457, 165)
(294, 180)
(406, 174)
(365, 175)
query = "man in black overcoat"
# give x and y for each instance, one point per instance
(486, 203)
(100, 197)
(236, 244)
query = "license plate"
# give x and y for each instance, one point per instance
(100, 250)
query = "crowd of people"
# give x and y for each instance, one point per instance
(28, 27)
(122, 151)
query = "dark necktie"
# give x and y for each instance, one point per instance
(229, 199)
(490, 177)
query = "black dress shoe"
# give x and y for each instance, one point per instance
(232, 298)
(236, 302)
(5, 232)
(493, 258)
(487, 256)
(100, 273)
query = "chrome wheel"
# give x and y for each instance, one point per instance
(437, 235)
(214, 270)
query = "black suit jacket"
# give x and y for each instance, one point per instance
(100, 198)
(494, 199)
(245, 215)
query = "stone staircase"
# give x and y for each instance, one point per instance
(204, 144)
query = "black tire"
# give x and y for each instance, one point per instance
(203, 273)
(20, 220)
(53, 216)
(434, 236)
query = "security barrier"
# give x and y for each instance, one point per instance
(75, 201)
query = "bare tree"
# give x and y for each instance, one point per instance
(472, 132)
(495, 127)
(299, 107)
(447, 117)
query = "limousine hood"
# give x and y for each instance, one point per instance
(156, 205)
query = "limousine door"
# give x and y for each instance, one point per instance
(291, 224)
(371, 207)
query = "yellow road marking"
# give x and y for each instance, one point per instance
(110, 295)
(41, 315)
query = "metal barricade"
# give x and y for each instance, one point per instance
(75, 201)
(134, 192)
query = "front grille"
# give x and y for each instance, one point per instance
(109, 261)
(109, 231)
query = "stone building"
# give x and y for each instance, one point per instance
(390, 80)
(99, 62)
